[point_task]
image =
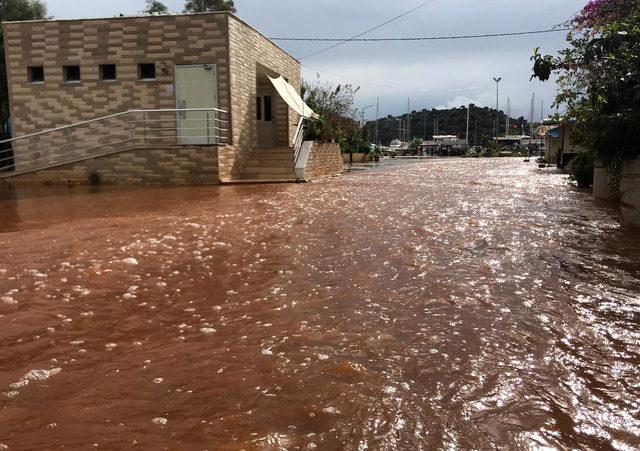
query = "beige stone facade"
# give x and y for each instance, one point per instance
(324, 159)
(241, 56)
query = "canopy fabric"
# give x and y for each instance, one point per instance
(292, 98)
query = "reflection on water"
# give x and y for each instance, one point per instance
(449, 304)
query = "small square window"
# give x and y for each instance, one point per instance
(107, 72)
(147, 71)
(36, 74)
(71, 74)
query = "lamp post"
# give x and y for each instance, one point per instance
(363, 121)
(497, 80)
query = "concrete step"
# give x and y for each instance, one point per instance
(268, 171)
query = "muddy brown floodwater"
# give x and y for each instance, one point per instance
(448, 304)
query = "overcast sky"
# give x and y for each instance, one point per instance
(431, 73)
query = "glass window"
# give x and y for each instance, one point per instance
(35, 74)
(147, 71)
(268, 113)
(107, 72)
(259, 108)
(71, 74)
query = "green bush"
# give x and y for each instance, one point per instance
(94, 178)
(581, 170)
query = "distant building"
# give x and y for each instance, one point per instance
(559, 147)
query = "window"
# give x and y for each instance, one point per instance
(264, 108)
(268, 114)
(71, 74)
(147, 71)
(107, 72)
(35, 74)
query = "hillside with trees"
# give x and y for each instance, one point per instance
(426, 123)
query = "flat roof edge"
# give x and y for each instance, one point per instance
(136, 16)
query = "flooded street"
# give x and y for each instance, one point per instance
(446, 304)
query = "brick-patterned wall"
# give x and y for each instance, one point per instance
(215, 38)
(324, 159)
(177, 165)
(248, 50)
(166, 41)
(126, 42)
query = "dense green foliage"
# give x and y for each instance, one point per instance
(448, 122)
(599, 79)
(156, 7)
(203, 6)
(337, 122)
(581, 169)
(13, 10)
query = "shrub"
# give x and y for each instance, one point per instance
(94, 178)
(581, 170)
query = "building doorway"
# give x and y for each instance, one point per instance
(197, 87)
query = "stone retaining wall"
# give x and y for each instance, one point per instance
(174, 165)
(630, 193)
(324, 159)
(602, 188)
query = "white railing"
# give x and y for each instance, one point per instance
(111, 134)
(298, 139)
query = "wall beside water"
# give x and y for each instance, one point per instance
(170, 165)
(630, 193)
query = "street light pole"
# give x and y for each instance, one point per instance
(497, 80)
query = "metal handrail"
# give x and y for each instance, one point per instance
(98, 119)
(71, 143)
(298, 139)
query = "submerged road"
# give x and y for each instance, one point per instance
(447, 304)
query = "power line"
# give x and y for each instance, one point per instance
(429, 38)
(422, 5)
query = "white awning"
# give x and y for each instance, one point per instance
(292, 98)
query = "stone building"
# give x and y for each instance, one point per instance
(99, 96)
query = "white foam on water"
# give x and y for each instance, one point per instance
(130, 261)
(11, 394)
(323, 357)
(41, 375)
(110, 346)
(160, 421)
(267, 352)
(158, 380)
(20, 384)
(8, 300)
(208, 330)
(389, 390)
(76, 343)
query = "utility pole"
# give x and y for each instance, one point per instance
(424, 124)
(508, 121)
(468, 117)
(497, 80)
(377, 138)
(408, 120)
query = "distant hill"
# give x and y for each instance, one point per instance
(448, 122)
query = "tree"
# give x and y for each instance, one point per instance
(14, 10)
(337, 122)
(599, 79)
(415, 145)
(156, 7)
(204, 6)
